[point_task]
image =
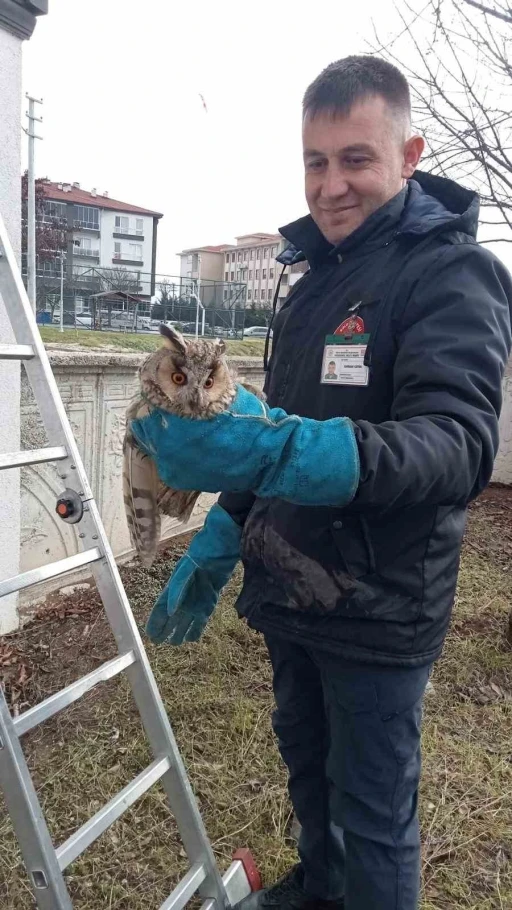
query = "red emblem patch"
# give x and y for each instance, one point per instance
(354, 325)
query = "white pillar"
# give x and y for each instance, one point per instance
(10, 206)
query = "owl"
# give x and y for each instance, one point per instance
(190, 378)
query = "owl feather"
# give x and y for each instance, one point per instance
(188, 378)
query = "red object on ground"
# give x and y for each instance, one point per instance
(245, 856)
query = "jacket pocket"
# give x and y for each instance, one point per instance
(352, 539)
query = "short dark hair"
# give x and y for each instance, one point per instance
(353, 79)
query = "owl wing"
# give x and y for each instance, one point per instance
(255, 391)
(176, 503)
(140, 491)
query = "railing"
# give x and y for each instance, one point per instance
(80, 251)
(78, 224)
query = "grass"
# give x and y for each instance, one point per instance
(121, 341)
(219, 699)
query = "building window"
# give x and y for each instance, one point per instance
(264, 273)
(225, 293)
(266, 252)
(249, 295)
(263, 294)
(139, 226)
(239, 257)
(257, 274)
(83, 246)
(256, 294)
(53, 211)
(252, 254)
(122, 224)
(232, 257)
(226, 276)
(271, 273)
(232, 276)
(85, 216)
(246, 255)
(274, 251)
(250, 275)
(129, 251)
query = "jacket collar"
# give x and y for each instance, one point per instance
(375, 232)
(429, 204)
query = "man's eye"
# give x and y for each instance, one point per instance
(357, 161)
(315, 165)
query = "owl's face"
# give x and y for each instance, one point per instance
(188, 378)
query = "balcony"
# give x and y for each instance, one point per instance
(88, 254)
(128, 235)
(123, 259)
(80, 224)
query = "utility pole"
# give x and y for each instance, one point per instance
(62, 291)
(31, 201)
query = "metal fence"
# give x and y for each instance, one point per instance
(186, 319)
(216, 307)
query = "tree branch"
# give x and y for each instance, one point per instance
(505, 17)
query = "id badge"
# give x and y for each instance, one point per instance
(343, 360)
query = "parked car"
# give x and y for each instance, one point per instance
(257, 331)
(83, 321)
(190, 328)
(127, 321)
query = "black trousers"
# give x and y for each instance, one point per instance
(350, 737)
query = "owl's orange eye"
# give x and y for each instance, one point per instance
(179, 378)
(209, 382)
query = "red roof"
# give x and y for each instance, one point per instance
(82, 197)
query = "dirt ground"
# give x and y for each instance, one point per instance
(219, 698)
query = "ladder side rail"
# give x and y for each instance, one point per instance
(39, 855)
(38, 369)
(154, 716)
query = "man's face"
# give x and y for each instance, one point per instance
(331, 368)
(354, 164)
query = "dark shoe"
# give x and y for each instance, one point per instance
(287, 894)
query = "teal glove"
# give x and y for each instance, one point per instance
(253, 448)
(191, 594)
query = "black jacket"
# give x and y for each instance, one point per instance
(375, 581)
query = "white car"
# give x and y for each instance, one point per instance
(257, 331)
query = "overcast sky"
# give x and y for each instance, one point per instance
(121, 82)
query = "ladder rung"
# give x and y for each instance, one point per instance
(52, 570)
(88, 833)
(16, 352)
(34, 456)
(186, 888)
(72, 693)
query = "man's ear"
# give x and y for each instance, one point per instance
(413, 150)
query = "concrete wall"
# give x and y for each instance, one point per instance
(503, 466)
(10, 139)
(96, 390)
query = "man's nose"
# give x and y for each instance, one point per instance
(334, 183)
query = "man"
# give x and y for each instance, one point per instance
(353, 529)
(331, 374)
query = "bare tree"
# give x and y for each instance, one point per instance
(461, 80)
(119, 279)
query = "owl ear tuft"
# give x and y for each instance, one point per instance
(173, 340)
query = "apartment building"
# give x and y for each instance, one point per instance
(102, 233)
(251, 261)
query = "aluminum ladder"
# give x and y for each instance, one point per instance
(44, 862)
